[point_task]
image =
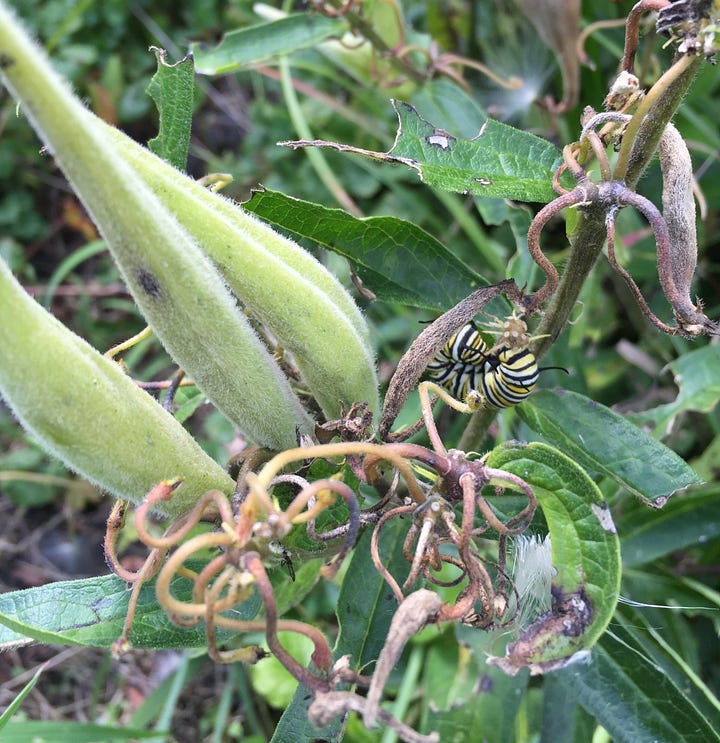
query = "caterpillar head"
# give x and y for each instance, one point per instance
(513, 333)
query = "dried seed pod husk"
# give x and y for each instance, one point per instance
(680, 216)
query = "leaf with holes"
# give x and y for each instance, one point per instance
(500, 161)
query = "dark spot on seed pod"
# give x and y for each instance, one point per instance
(6, 61)
(148, 283)
(485, 684)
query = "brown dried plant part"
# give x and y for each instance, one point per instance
(326, 707)
(558, 23)
(632, 25)
(415, 612)
(674, 230)
(160, 545)
(244, 537)
(679, 214)
(433, 526)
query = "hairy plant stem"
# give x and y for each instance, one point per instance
(476, 429)
(586, 244)
(639, 145)
(644, 130)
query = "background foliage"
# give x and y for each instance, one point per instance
(663, 659)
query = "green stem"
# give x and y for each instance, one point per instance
(407, 691)
(586, 244)
(472, 436)
(316, 158)
(644, 130)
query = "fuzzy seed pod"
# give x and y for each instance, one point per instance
(87, 412)
(175, 285)
(679, 209)
(306, 308)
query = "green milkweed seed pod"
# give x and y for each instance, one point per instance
(83, 409)
(175, 285)
(279, 282)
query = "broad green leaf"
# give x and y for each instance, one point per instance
(172, 88)
(662, 596)
(364, 623)
(690, 518)
(697, 374)
(606, 443)
(365, 608)
(500, 161)
(92, 611)
(563, 721)
(469, 700)
(70, 732)
(248, 46)
(637, 693)
(396, 260)
(586, 556)
(446, 104)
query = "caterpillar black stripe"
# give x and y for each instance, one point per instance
(508, 378)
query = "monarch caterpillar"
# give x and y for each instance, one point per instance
(497, 377)
(509, 377)
(460, 364)
(683, 15)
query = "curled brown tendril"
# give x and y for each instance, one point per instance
(674, 229)
(427, 487)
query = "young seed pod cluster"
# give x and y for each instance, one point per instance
(189, 257)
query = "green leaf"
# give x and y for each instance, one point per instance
(448, 105)
(172, 88)
(92, 611)
(248, 46)
(636, 697)
(563, 721)
(71, 732)
(470, 701)
(397, 260)
(365, 608)
(690, 518)
(13, 706)
(364, 624)
(696, 374)
(586, 557)
(499, 161)
(606, 443)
